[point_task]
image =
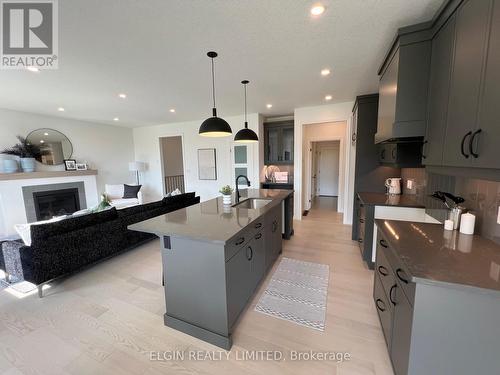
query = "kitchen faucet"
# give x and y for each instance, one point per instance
(237, 189)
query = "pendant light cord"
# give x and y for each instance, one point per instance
(213, 81)
(246, 124)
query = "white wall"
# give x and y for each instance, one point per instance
(317, 115)
(147, 149)
(105, 148)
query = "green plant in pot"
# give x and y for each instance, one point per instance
(27, 152)
(226, 192)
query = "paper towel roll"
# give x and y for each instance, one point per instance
(467, 223)
(448, 224)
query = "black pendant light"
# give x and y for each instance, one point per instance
(245, 134)
(214, 126)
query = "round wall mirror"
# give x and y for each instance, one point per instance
(55, 146)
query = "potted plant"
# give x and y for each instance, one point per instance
(226, 192)
(27, 152)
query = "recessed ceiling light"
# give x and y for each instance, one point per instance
(172, 110)
(122, 96)
(45, 133)
(328, 97)
(269, 105)
(42, 141)
(325, 72)
(116, 119)
(317, 10)
(33, 69)
(60, 109)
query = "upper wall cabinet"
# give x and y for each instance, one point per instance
(278, 142)
(471, 35)
(404, 79)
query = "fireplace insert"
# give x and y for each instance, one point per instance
(56, 203)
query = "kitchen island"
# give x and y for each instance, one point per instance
(214, 257)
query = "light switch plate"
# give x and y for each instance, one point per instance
(498, 217)
(409, 184)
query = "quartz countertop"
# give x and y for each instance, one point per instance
(381, 199)
(449, 258)
(211, 220)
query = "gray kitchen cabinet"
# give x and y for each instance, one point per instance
(401, 328)
(441, 61)
(279, 143)
(485, 146)
(387, 99)
(258, 249)
(384, 310)
(239, 281)
(471, 33)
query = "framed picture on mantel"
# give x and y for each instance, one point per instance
(207, 164)
(70, 164)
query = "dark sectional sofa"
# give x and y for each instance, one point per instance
(66, 246)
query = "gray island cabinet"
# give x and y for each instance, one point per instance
(214, 257)
(437, 294)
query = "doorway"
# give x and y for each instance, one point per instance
(325, 177)
(172, 164)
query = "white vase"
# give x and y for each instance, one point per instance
(28, 164)
(226, 199)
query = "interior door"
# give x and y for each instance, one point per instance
(329, 172)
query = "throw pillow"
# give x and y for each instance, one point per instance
(130, 191)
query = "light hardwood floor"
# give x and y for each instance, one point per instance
(108, 319)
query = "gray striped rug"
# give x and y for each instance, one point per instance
(297, 292)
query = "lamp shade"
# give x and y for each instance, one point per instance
(137, 166)
(215, 127)
(246, 135)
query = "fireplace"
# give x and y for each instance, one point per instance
(56, 203)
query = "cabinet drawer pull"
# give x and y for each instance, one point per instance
(249, 256)
(258, 225)
(240, 241)
(378, 302)
(394, 154)
(390, 294)
(258, 236)
(471, 143)
(360, 240)
(383, 271)
(361, 221)
(275, 225)
(399, 271)
(383, 243)
(424, 156)
(463, 144)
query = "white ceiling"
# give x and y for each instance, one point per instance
(155, 52)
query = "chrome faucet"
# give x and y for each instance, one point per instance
(238, 196)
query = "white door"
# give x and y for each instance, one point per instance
(329, 172)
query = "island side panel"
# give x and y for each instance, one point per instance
(455, 331)
(195, 289)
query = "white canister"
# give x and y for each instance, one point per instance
(448, 224)
(467, 223)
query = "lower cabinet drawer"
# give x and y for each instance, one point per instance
(384, 271)
(384, 310)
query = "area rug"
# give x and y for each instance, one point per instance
(297, 293)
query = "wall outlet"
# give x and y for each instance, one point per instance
(409, 184)
(498, 217)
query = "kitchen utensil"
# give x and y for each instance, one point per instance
(439, 195)
(456, 199)
(393, 185)
(455, 215)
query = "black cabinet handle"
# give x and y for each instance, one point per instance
(463, 144)
(240, 241)
(383, 271)
(275, 225)
(258, 236)
(353, 138)
(382, 154)
(390, 294)
(383, 243)
(399, 271)
(249, 257)
(394, 154)
(424, 156)
(258, 225)
(471, 143)
(360, 240)
(361, 220)
(378, 302)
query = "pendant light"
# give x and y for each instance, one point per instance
(245, 134)
(214, 126)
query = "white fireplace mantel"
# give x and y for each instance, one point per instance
(12, 207)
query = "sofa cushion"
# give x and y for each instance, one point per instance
(44, 231)
(124, 203)
(24, 230)
(178, 198)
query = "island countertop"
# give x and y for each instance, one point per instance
(448, 258)
(212, 220)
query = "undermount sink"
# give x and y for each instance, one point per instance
(253, 203)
